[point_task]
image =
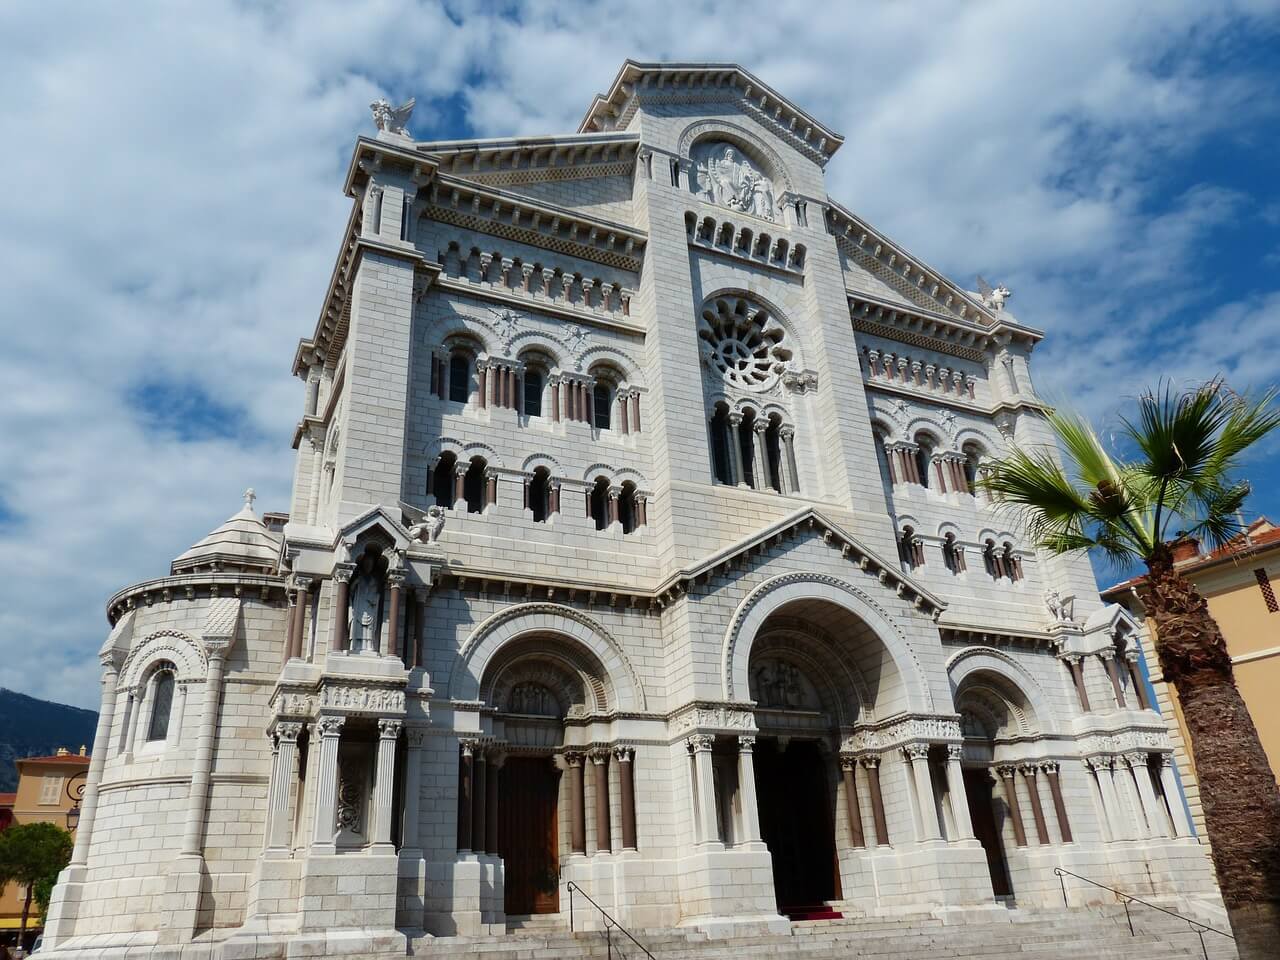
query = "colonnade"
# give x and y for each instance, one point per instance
(1132, 809)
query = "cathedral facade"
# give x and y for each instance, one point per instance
(635, 543)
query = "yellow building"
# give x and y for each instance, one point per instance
(49, 790)
(1241, 582)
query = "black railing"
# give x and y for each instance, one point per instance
(1127, 898)
(610, 924)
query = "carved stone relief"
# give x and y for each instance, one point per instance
(777, 684)
(728, 179)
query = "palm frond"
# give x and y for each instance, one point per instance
(1219, 515)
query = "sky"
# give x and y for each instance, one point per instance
(174, 208)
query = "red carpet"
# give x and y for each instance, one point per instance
(816, 912)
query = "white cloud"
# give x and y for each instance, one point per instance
(174, 206)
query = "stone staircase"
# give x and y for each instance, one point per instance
(1096, 933)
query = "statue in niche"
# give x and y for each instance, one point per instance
(729, 180)
(366, 605)
(531, 699)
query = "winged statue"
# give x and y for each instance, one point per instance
(424, 527)
(389, 119)
(993, 297)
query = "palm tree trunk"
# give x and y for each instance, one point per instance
(1237, 785)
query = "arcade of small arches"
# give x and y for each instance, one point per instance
(470, 484)
(534, 387)
(516, 275)
(1000, 558)
(924, 462)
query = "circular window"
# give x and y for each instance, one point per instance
(742, 343)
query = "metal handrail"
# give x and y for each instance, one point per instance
(1128, 898)
(609, 922)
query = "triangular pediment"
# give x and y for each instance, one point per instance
(749, 552)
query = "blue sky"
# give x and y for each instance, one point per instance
(174, 207)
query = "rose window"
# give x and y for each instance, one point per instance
(742, 343)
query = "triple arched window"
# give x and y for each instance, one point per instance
(752, 449)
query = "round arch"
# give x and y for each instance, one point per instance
(981, 664)
(740, 137)
(570, 627)
(777, 592)
(184, 652)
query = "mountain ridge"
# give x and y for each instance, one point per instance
(30, 727)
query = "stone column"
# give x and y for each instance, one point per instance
(493, 762)
(600, 776)
(1011, 798)
(342, 586)
(918, 755)
(384, 783)
(956, 791)
(763, 477)
(1135, 675)
(872, 766)
(282, 779)
(623, 425)
(614, 494)
(296, 629)
(1108, 656)
(490, 487)
(1050, 768)
(577, 818)
(1168, 786)
(395, 581)
(97, 759)
(555, 401)
(1029, 771)
(415, 738)
(1156, 824)
(1075, 663)
(747, 785)
(464, 796)
(735, 448)
(848, 767)
(625, 758)
(479, 793)
(708, 824)
(329, 730)
(202, 764)
(482, 382)
(1130, 797)
(292, 628)
(1121, 823)
(635, 412)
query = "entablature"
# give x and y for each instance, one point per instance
(935, 331)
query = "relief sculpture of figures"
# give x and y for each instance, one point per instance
(728, 180)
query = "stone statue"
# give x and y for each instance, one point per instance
(993, 297)
(390, 119)
(427, 529)
(729, 180)
(366, 601)
(1060, 607)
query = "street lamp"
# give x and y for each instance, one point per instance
(75, 793)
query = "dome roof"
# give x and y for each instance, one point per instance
(242, 541)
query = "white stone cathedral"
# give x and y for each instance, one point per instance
(635, 544)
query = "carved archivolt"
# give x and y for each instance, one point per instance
(186, 654)
(742, 137)
(560, 624)
(1017, 689)
(786, 588)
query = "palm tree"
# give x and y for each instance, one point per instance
(1186, 450)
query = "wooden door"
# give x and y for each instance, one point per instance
(977, 788)
(527, 835)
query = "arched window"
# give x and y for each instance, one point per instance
(924, 457)
(601, 401)
(441, 483)
(539, 492)
(972, 457)
(162, 686)
(1012, 563)
(910, 549)
(473, 486)
(533, 393)
(598, 502)
(773, 451)
(459, 377)
(627, 507)
(722, 453)
(953, 554)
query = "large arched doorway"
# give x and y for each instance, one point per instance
(804, 676)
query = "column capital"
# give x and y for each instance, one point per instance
(848, 762)
(599, 757)
(955, 752)
(701, 743)
(1006, 770)
(1136, 759)
(389, 729)
(916, 751)
(734, 417)
(760, 426)
(395, 578)
(869, 762)
(300, 582)
(1050, 767)
(1107, 653)
(470, 746)
(1098, 763)
(1030, 768)
(746, 744)
(574, 758)
(342, 572)
(288, 730)
(624, 754)
(330, 726)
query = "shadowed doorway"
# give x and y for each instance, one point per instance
(794, 797)
(527, 835)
